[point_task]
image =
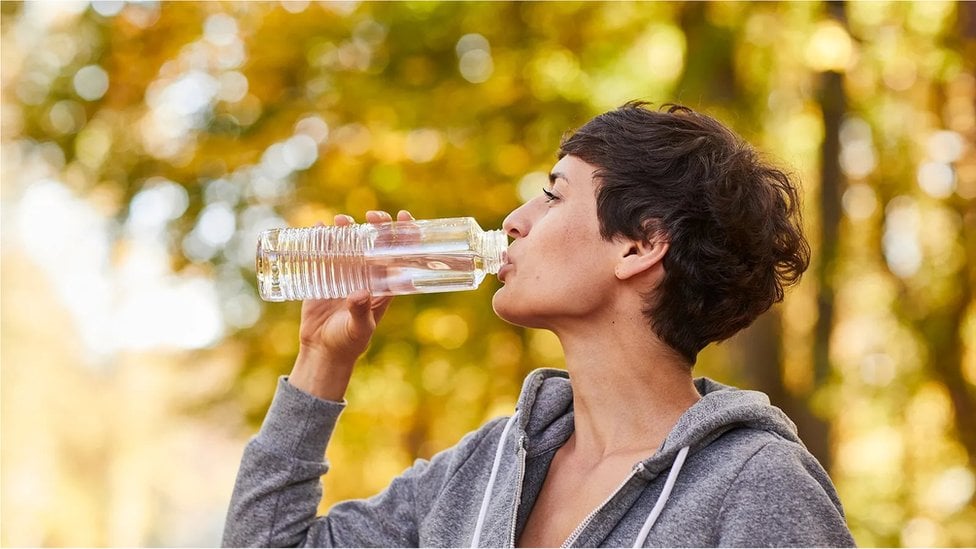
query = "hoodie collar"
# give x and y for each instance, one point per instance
(546, 418)
(546, 410)
(721, 409)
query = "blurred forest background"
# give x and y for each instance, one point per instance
(145, 144)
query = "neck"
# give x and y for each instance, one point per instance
(629, 388)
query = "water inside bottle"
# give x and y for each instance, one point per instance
(409, 258)
(442, 272)
(295, 274)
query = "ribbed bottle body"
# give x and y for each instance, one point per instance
(395, 258)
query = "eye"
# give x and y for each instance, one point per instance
(549, 195)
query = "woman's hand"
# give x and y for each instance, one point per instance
(335, 332)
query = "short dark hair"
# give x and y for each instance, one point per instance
(732, 220)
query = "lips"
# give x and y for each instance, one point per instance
(503, 272)
(505, 268)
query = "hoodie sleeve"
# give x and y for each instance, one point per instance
(782, 497)
(279, 486)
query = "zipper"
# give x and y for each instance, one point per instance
(518, 488)
(586, 521)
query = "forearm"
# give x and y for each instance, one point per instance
(278, 487)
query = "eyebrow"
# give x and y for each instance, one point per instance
(553, 176)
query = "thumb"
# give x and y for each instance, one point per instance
(359, 304)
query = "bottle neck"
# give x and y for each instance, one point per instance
(493, 245)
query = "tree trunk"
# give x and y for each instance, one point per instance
(833, 104)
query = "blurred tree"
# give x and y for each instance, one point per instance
(833, 105)
(193, 126)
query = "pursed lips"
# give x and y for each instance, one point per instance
(505, 268)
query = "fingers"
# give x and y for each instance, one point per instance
(359, 303)
(342, 220)
(379, 306)
(372, 216)
(376, 216)
(367, 310)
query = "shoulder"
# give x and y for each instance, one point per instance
(759, 458)
(781, 494)
(464, 460)
(767, 458)
(472, 451)
(746, 458)
(475, 441)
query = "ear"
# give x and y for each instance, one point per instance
(640, 257)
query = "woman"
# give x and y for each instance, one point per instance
(659, 233)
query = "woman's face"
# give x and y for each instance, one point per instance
(559, 268)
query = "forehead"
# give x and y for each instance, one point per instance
(574, 170)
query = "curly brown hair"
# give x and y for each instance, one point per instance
(732, 220)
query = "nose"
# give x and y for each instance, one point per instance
(517, 223)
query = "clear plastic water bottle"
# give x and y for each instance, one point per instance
(392, 258)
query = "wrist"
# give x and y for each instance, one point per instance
(321, 374)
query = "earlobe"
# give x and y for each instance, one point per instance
(640, 257)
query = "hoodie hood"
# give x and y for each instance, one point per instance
(547, 396)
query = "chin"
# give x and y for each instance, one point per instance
(499, 306)
(512, 310)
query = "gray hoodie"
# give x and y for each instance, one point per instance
(732, 472)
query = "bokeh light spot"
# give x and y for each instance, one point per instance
(830, 47)
(938, 180)
(91, 82)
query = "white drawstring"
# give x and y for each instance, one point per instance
(476, 538)
(663, 498)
